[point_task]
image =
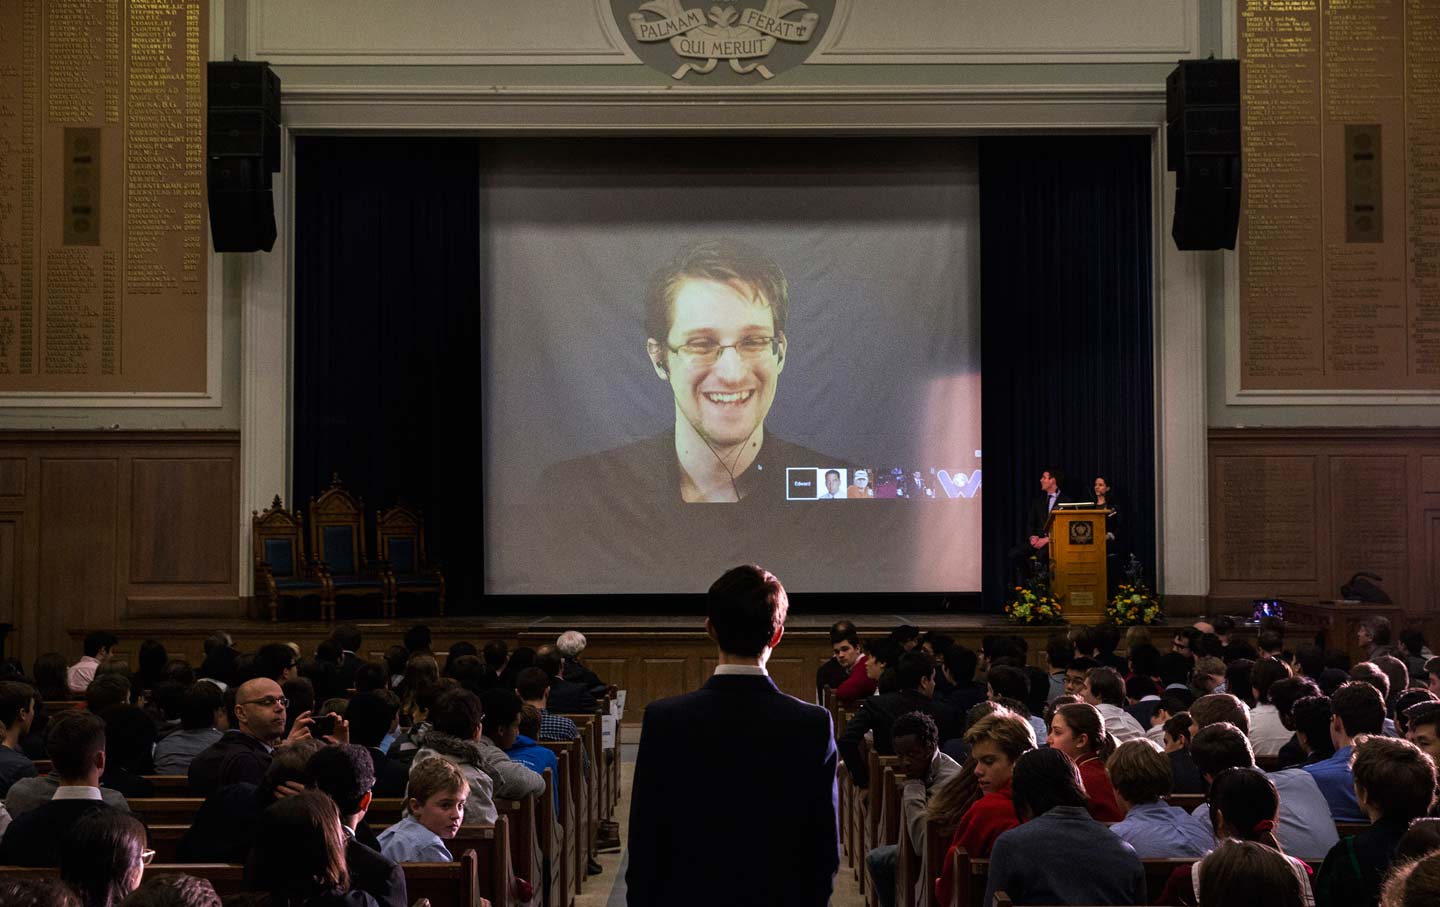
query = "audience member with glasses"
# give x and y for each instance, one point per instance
(243, 753)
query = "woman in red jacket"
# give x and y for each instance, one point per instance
(996, 741)
(1078, 731)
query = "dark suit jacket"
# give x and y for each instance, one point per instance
(878, 715)
(33, 839)
(375, 874)
(234, 758)
(1187, 777)
(225, 825)
(570, 699)
(1040, 511)
(734, 799)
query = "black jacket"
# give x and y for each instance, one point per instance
(1040, 511)
(33, 839)
(770, 832)
(375, 874)
(878, 715)
(234, 758)
(570, 699)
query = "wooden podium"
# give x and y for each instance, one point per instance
(1077, 562)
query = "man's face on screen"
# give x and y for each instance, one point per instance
(832, 482)
(725, 400)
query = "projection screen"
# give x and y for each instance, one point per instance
(688, 369)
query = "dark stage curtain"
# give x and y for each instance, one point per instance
(387, 334)
(1067, 332)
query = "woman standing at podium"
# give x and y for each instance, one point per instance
(1115, 555)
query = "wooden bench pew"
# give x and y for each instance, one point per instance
(589, 727)
(458, 883)
(570, 781)
(972, 877)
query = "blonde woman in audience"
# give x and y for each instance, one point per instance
(434, 812)
(1078, 731)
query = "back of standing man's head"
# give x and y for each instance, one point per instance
(746, 608)
(1359, 707)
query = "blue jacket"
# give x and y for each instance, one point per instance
(734, 799)
(1065, 857)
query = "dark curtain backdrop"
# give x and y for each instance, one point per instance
(1066, 332)
(387, 392)
(387, 333)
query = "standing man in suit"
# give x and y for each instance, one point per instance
(734, 795)
(1049, 498)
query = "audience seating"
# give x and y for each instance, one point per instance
(400, 548)
(461, 883)
(281, 568)
(337, 540)
(971, 877)
(572, 779)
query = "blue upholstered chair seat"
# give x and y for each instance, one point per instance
(284, 583)
(414, 580)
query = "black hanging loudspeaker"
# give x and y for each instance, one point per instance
(242, 151)
(1202, 114)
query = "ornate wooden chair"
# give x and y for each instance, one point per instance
(281, 568)
(400, 547)
(337, 538)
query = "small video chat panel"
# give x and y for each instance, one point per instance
(834, 483)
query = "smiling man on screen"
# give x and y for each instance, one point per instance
(715, 322)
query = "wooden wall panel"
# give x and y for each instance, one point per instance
(99, 529)
(171, 493)
(661, 677)
(12, 477)
(12, 535)
(79, 516)
(1294, 513)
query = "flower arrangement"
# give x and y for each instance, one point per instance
(1134, 603)
(1032, 601)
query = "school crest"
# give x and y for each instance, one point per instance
(726, 42)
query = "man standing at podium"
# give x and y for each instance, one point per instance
(1049, 498)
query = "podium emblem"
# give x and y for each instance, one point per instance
(1082, 533)
(752, 41)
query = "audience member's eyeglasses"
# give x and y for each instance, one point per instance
(147, 857)
(269, 702)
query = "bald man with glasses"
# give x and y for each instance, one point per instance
(244, 752)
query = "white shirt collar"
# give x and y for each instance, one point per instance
(68, 792)
(748, 670)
